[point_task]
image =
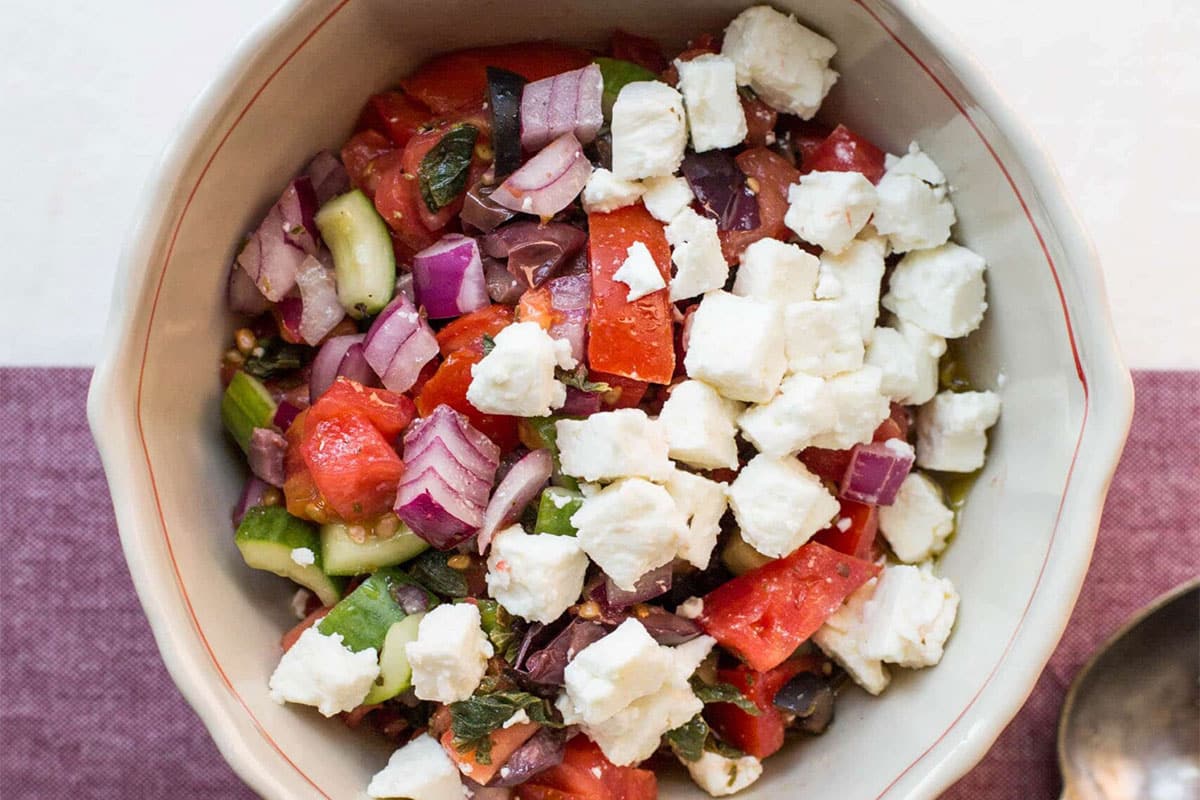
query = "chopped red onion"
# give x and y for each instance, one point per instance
(242, 295)
(437, 512)
(448, 277)
(518, 488)
(404, 286)
(466, 445)
(580, 403)
(876, 471)
(480, 212)
(399, 344)
(329, 178)
(321, 310)
(298, 208)
(265, 454)
(252, 495)
(721, 189)
(571, 298)
(562, 104)
(466, 483)
(285, 415)
(548, 182)
(291, 313)
(341, 355)
(543, 750)
(501, 285)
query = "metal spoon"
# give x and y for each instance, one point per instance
(1130, 726)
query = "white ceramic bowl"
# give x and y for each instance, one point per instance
(295, 87)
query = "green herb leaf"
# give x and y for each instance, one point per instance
(474, 719)
(489, 344)
(715, 745)
(578, 378)
(615, 74)
(431, 571)
(688, 739)
(501, 629)
(723, 693)
(442, 173)
(273, 356)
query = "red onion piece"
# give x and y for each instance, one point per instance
(518, 488)
(548, 182)
(252, 495)
(334, 359)
(580, 403)
(502, 287)
(321, 310)
(285, 415)
(876, 471)
(355, 367)
(562, 104)
(466, 484)
(404, 286)
(546, 665)
(480, 212)
(328, 176)
(448, 277)
(265, 455)
(298, 208)
(543, 750)
(291, 313)
(437, 512)
(399, 344)
(242, 295)
(654, 583)
(571, 298)
(467, 446)
(721, 189)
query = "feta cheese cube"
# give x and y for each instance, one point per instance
(303, 557)
(703, 503)
(858, 271)
(609, 674)
(909, 617)
(696, 253)
(721, 776)
(613, 444)
(779, 504)
(449, 657)
(822, 337)
(785, 63)
(649, 131)
(419, 770)
(517, 377)
(776, 272)
(633, 734)
(918, 523)
(913, 211)
(736, 345)
(802, 411)
(700, 426)
(536, 577)
(860, 408)
(629, 528)
(691, 608)
(941, 290)
(639, 272)
(319, 670)
(952, 430)
(299, 603)
(908, 358)
(830, 208)
(843, 637)
(710, 94)
(606, 192)
(666, 196)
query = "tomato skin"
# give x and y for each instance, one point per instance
(536, 305)
(803, 136)
(468, 330)
(294, 632)
(760, 122)
(398, 201)
(389, 412)
(367, 155)
(859, 539)
(774, 175)
(505, 742)
(299, 491)
(843, 150)
(352, 465)
(830, 465)
(585, 774)
(761, 735)
(624, 392)
(634, 340)
(765, 614)
(394, 114)
(638, 49)
(449, 386)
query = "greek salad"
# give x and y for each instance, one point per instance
(599, 404)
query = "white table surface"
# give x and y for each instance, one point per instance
(90, 93)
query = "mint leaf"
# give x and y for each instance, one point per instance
(488, 343)
(578, 379)
(723, 693)
(501, 629)
(442, 174)
(688, 739)
(474, 719)
(273, 356)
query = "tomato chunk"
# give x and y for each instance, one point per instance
(845, 151)
(635, 339)
(638, 49)
(858, 539)
(765, 614)
(505, 742)
(758, 735)
(389, 412)
(394, 114)
(804, 136)
(294, 632)
(449, 386)
(467, 331)
(774, 175)
(585, 774)
(760, 122)
(352, 465)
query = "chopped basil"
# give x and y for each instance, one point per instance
(715, 745)
(442, 173)
(273, 356)
(688, 739)
(578, 379)
(431, 571)
(502, 630)
(489, 344)
(616, 73)
(723, 693)
(473, 720)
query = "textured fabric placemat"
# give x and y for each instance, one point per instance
(87, 709)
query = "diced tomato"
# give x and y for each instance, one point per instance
(803, 136)
(293, 633)
(829, 465)
(394, 114)
(536, 305)
(585, 774)
(623, 392)
(299, 491)
(858, 539)
(505, 742)
(398, 201)
(635, 339)
(353, 465)
(774, 175)
(458, 80)
(895, 426)
(367, 156)
(760, 122)
(758, 735)
(467, 331)
(449, 386)
(414, 152)
(389, 412)
(638, 49)
(845, 151)
(765, 614)
(704, 44)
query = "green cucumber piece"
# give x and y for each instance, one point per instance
(555, 509)
(363, 259)
(616, 73)
(395, 673)
(266, 539)
(246, 405)
(364, 616)
(539, 433)
(344, 556)
(739, 557)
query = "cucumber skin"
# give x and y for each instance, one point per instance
(266, 538)
(363, 259)
(364, 616)
(554, 520)
(395, 673)
(246, 405)
(344, 556)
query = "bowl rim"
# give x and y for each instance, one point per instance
(1099, 364)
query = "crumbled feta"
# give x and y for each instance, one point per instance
(776, 272)
(785, 63)
(941, 290)
(843, 637)
(801, 411)
(828, 209)
(649, 131)
(666, 196)
(639, 273)
(918, 523)
(613, 444)
(304, 557)
(700, 426)
(519, 718)
(952, 430)
(710, 94)
(319, 670)
(828, 286)
(844, 524)
(908, 358)
(703, 503)
(633, 734)
(629, 528)
(909, 617)
(449, 657)
(736, 344)
(299, 603)
(914, 211)
(721, 776)
(517, 377)
(691, 608)
(420, 770)
(858, 271)
(860, 408)
(535, 577)
(606, 192)
(821, 337)
(696, 253)
(779, 504)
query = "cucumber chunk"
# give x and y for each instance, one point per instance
(363, 259)
(364, 616)
(616, 73)
(344, 556)
(246, 405)
(555, 509)
(266, 539)
(395, 673)
(540, 433)
(739, 557)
